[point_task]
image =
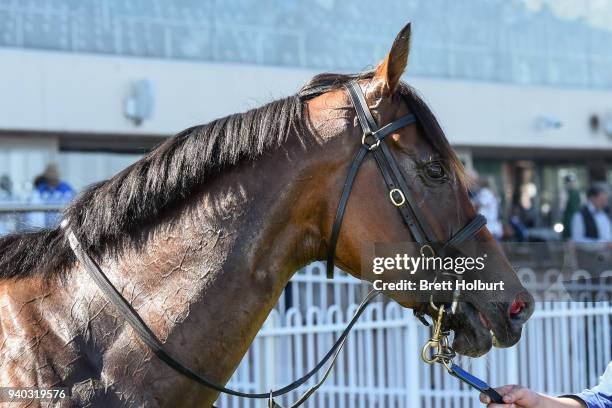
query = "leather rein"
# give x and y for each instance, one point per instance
(373, 141)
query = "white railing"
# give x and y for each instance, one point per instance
(564, 348)
(31, 212)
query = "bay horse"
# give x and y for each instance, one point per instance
(203, 233)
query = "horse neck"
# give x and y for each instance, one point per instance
(211, 273)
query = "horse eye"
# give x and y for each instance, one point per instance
(435, 170)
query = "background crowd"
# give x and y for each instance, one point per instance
(585, 216)
(49, 194)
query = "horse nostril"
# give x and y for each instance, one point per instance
(516, 307)
(519, 304)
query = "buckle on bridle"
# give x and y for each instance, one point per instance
(370, 146)
(394, 200)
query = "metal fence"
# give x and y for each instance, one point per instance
(565, 348)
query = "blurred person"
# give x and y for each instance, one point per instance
(6, 187)
(546, 213)
(49, 190)
(519, 230)
(592, 223)
(50, 183)
(526, 195)
(521, 397)
(487, 204)
(473, 183)
(572, 205)
(39, 181)
(6, 193)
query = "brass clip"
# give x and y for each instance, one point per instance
(437, 350)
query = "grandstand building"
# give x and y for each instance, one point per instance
(523, 88)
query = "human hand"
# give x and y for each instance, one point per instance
(514, 396)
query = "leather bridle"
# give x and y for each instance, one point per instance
(372, 141)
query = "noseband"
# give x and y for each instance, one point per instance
(400, 195)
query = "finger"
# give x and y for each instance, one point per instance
(516, 395)
(505, 389)
(484, 398)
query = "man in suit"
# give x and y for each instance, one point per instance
(592, 223)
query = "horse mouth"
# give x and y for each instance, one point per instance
(476, 331)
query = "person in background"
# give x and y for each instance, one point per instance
(517, 396)
(592, 223)
(50, 183)
(39, 181)
(6, 187)
(519, 230)
(6, 193)
(572, 205)
(487, 204)
(49, 190)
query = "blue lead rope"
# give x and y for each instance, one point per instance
(475, 382)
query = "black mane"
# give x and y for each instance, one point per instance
(112, 215)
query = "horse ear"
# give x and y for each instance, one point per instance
(389, 71)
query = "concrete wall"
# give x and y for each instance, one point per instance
(66, 92)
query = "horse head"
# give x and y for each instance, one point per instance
(438, 193)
